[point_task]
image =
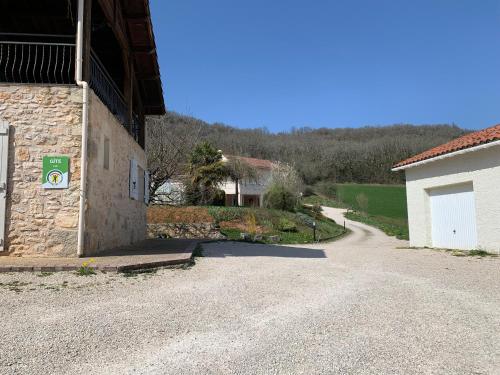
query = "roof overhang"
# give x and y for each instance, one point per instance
(143, 49)
(448, 155)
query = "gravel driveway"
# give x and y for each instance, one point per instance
(361, 305)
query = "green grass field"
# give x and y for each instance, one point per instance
(383, 206)
(383, 200)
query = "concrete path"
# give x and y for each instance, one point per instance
(362, 305)
(146, 254)
(362, 235)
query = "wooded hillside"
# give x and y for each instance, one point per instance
(363, 155)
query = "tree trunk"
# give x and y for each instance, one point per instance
(236, 201)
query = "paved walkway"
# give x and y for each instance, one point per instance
(147, 254)
(363, 305)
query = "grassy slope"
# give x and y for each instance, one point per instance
(383, 200)
(386, 206)
(323, 201)
(235, 220)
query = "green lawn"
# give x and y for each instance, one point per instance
(383, 200)
(383, 206)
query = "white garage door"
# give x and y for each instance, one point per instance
(453, 216)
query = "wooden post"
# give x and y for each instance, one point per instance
(129, 92)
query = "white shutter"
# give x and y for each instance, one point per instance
(146, 186)
(134, 183)
(4, 156)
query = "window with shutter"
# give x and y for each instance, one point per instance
(134, 186)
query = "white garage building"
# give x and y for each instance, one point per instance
(453, 193)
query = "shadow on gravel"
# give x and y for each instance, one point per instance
(242, 249)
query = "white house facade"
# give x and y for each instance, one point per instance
(452, 193)
(250, 191)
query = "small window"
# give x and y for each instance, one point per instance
(106, 153)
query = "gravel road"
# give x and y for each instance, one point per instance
(362, 305)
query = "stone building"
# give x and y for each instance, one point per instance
(77, 79)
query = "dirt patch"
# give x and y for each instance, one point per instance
(187, 215)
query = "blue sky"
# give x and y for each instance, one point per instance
(323, 63)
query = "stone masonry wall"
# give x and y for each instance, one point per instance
(180, 230)
(44, 120)
(112, 218)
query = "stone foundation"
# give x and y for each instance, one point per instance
(189, 231)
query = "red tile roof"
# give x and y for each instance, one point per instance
(467, 141)
(253, 162)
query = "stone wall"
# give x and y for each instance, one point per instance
(179, 230)
(112, 218)
(44, 120)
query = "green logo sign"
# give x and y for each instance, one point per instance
(55, 172)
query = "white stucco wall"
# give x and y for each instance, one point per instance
(482, 168)
(258, 187)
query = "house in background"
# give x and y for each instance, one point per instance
(250, 191)
(77, 78)
(453, 193)
(171, 192)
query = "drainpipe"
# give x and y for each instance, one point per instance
(85, 123)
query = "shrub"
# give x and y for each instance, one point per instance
(362, 202)
(226, 213)
(219, 198)
(285, 225)
(308, 191)
(280, 198)
(316, 211)
(326, 189)
(251, 223)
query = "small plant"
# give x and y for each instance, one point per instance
(251, 223)
(316, 211)
(362, 202)
(85, 269)
(471, 253)
(285, 225)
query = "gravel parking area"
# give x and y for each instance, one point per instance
(362, 305)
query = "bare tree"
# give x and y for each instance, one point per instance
(363, 155)
(285, 175)
(167, 150)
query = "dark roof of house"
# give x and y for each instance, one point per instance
(467, 141)
(253, 162)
